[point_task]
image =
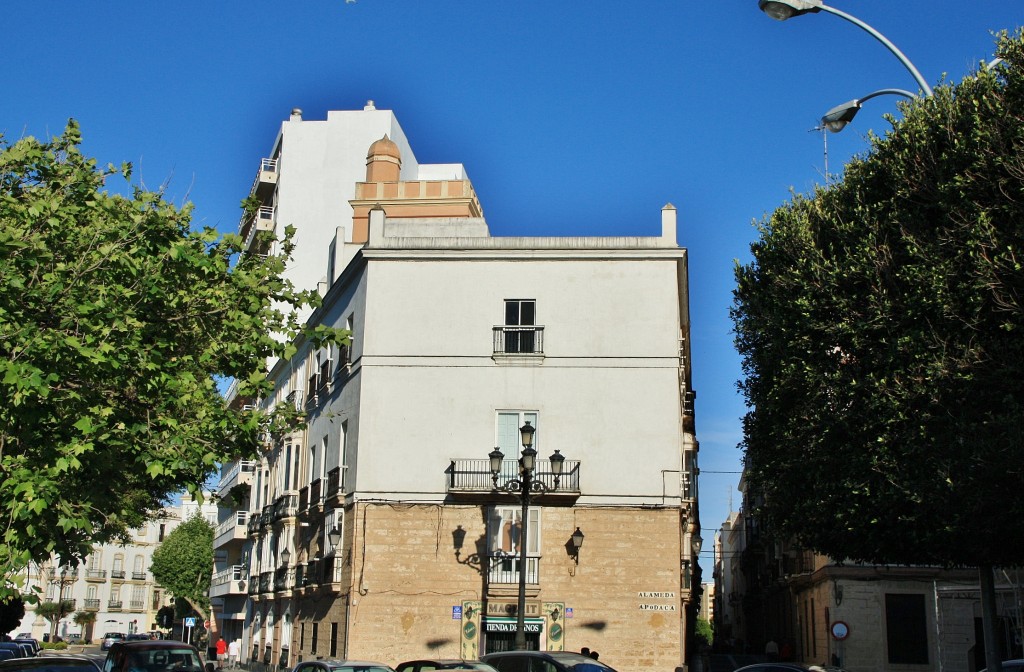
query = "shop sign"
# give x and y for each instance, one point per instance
(502, 625)
(657, 607)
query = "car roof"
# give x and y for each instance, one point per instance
(334, 662)
(149, 644)
(59, 663)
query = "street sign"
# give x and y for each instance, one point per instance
(190, 622)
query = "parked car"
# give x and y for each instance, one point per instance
(8, 654)
(544, 661)
(17, 650)
(1015, 665)
(137, 637)
(152, 656)
(61, 663)
(427, 665)
(110, 638)
(341, 666)
(788, 667)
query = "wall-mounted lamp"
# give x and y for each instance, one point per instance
(556, 614)
(837, 592)
(241, 584)
(577, 542)
(286, 555)
(334, 536)
(695, 543)
(469, 612)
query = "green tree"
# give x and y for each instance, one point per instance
(53, 611)
(118, 322)
(85, 619)
(183, 565)
(881, 327)
(705, 631)
(12, 610)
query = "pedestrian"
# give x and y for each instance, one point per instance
(222, 649)
(771, 650)
(585, 651)
(233, 649)
(594, 655)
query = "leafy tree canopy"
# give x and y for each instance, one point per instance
(882, 333)
(12, 610)
(183, 563)
(117, 320)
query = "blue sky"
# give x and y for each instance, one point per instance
(572, 118)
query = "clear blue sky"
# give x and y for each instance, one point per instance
(571, 118)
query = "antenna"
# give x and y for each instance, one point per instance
(824, 139)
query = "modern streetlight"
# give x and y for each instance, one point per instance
(781, 10)
(525, 486)
(839, 116)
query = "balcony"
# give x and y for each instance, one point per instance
(266, 179)
(92, 604)
(240, 473)
(336, 481)
(254, 525)
(519, 340)
(284, 579)
(225, 581)
(234, 528)
(114, 605)
(266, 580)
(250, 225)
(136, 605)
(286, 506)
(304, 499)
(333, 567)
(95, 574)
(504, 569)
(138, 576)
(314, 493)
(117, 574)
(473, 477)
(267, 515)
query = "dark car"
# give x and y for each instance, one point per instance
(341, 666)
(61, 663)
(427, 665)
(788, 667)
(31, 642)
(1015, 665)
(152, 656)
(17, 650)
(544, 661)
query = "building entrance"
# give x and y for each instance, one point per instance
(500, 634)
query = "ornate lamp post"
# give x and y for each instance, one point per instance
(525, 486)
(63, 581)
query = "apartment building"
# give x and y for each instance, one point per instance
(389, 528)
(114, 582)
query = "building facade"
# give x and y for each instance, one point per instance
(857, 616)
(380, 531)
(114, 583)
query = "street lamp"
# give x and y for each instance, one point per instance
(524, 487)
(61, 583)
(286, 555)
(839, 116)
(781, 10)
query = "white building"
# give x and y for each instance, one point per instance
(114, 582)
(378, 531)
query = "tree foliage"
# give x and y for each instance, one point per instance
(705, 631)
(118, 320)
(881, 327)
(55, 610)
(12, 610)
(183, 563)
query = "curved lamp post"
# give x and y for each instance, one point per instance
(839, 116)
(785, 9)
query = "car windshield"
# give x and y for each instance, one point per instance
(361, 668)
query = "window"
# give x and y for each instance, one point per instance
(505, 531)
(520, 334)
(508, 438)
(287, 464)
(906, 629)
